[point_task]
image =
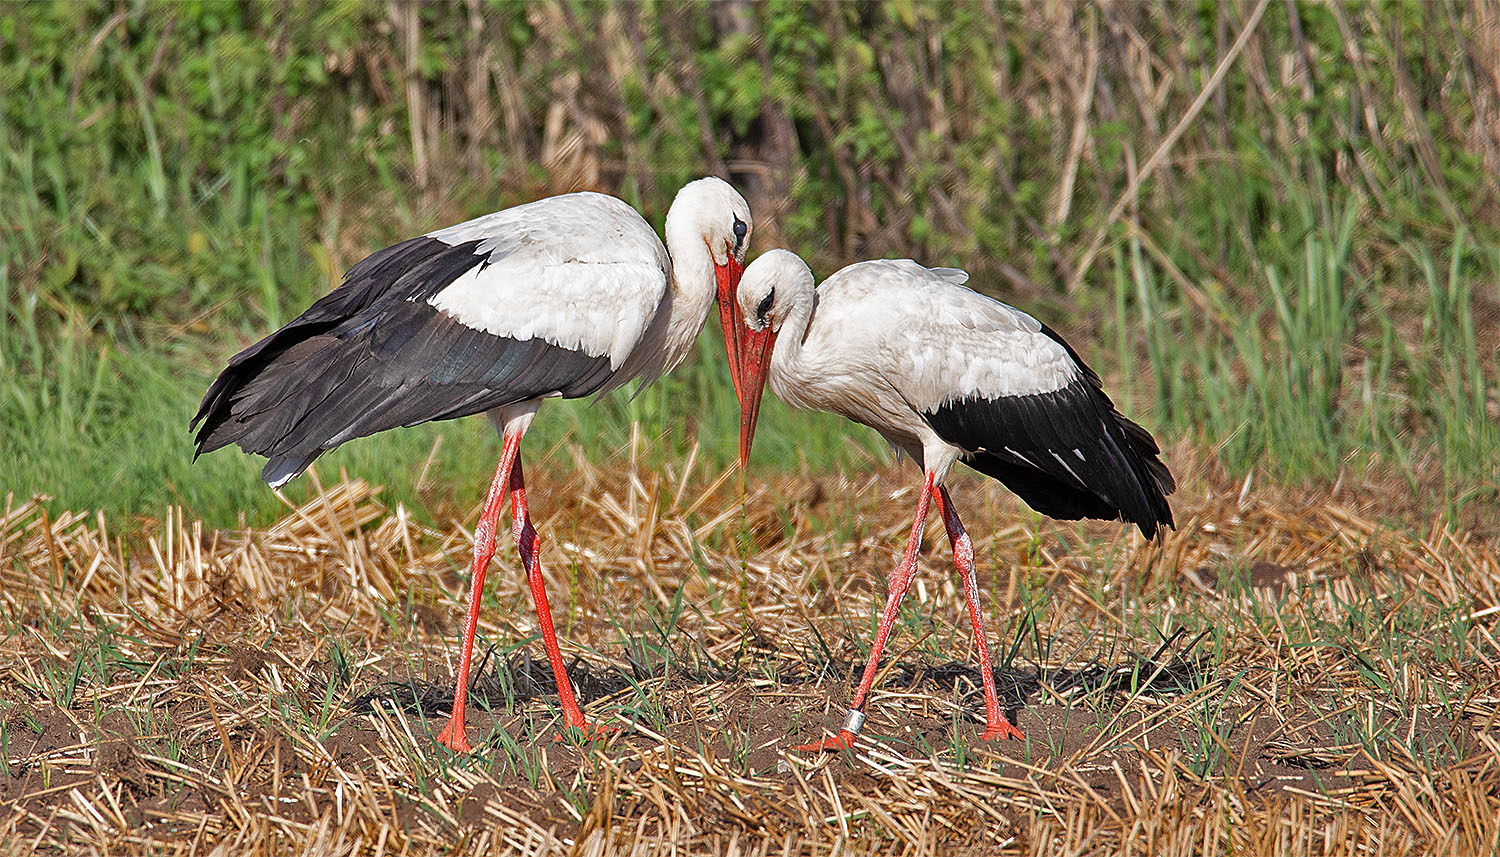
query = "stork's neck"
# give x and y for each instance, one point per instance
(690, 292)
(786, 360)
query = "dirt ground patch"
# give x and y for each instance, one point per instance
(1280, 675)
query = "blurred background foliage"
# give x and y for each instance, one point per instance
(1271, 226)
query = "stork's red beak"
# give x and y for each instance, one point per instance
(758, 345)
(730, 318)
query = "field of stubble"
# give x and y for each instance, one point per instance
(1281, 675)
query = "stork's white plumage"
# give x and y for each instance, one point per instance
(946, 375)
(566, 296)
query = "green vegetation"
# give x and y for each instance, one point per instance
(1308, 279)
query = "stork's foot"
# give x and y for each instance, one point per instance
(842, 741)
(453, 736)
(1002, 730)
(586, 731)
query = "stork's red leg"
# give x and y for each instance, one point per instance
(484, 548)
(527, 545)
(996, 726)
(900, 579)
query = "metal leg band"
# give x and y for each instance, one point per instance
(855, 720)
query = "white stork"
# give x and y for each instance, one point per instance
(945, 374)
(566, 296)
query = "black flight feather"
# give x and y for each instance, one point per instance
(372, 355)
(1068, 453)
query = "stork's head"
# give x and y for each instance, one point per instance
(772, 286)
(711, 211)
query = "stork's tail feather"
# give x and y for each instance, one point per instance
(1136, 490)
(265, 407)
(1069, 454)
(1151, 474)
(1137, 495)
(1143, 445)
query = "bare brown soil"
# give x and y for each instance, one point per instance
(1282, 675)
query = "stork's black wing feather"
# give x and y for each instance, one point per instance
(373, 354)
(1068, 453)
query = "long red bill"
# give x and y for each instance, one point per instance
(730, 318)
(755, 361)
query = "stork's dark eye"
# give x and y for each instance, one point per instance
(765, 305)
(740, 228)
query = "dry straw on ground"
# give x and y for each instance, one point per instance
(1281, 676)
